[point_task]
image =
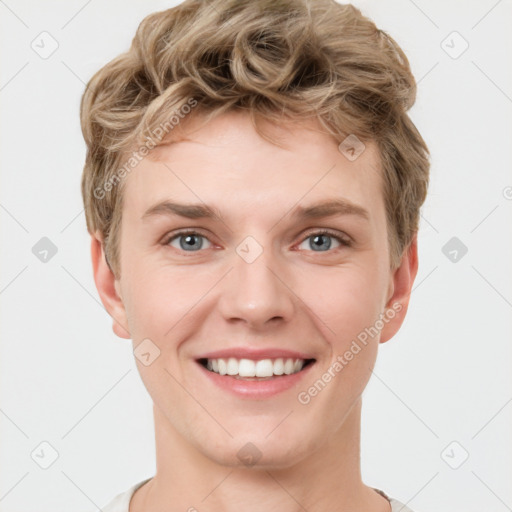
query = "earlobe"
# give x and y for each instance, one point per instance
(108, 288)
(402, 282)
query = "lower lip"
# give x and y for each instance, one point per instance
(255, 389)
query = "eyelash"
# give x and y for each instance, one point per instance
(344, 241)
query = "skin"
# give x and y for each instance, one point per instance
(293, 296)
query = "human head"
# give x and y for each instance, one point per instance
(277, 60)
(216, 72)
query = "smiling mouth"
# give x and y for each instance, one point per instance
(250, 369)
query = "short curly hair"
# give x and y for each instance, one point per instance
(276, 59)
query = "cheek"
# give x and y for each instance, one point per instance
(162, 300)
(347, 301)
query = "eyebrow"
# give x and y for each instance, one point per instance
(330, 208)
(202, 211)
(190, 211)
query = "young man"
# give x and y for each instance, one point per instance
(252, 187)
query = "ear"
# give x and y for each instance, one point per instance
(400, 291)
(108, 288)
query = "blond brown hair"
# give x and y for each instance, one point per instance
(276, 59)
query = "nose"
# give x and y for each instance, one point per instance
(256, 292)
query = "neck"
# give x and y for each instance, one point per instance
(327, 479)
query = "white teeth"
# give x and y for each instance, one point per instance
(279, 366)
(264, 368)
(251, 368)
(232, 366)
(246, 368)
(289, 366)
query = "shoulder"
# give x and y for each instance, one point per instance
(121, 502)
(396, 506)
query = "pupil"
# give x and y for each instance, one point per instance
(320, 237)
(189, 241)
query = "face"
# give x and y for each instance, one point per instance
(256, 277)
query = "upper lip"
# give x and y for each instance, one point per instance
(255, 354)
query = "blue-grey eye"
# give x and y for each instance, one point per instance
(320, 242)
(188, 242)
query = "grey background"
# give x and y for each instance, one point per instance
(441, 389)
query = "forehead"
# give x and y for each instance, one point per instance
(227, 164)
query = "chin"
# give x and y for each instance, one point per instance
(258, 452)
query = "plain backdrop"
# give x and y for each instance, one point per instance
(437, 412)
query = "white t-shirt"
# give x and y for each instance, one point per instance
(122, 501)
